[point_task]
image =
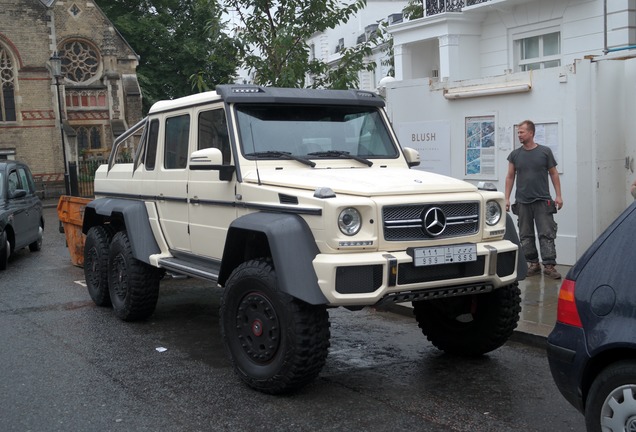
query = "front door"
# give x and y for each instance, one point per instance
(212, 200)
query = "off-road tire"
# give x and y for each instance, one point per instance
(611, 401)
(133, 284)
(276, 343)
(96, 249)
(36, 246)
(470, 325)
(5, 251)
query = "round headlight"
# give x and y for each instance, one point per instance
(350, 221)
(493, 212)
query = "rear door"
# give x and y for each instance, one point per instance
(31, 204)
(17, 208)
(171, 180)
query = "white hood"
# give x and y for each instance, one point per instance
(362, 181)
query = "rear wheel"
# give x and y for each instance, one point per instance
(133, 285)
(470, 325)
(276, 343)
(96, 264)
(611, 402)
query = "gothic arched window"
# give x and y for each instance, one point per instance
(7, 87)
(80, 61)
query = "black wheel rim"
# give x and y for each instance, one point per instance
(91, 262)
(258, 328)
(120, 286)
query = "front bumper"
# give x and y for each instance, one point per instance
(366, 278)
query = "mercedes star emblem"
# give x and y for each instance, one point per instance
(434, 221)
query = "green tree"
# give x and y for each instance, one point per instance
(414, 9)
(176, 41)
(272, 35)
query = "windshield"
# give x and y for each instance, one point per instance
(313, 132)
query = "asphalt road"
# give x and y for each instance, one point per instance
(67, 365)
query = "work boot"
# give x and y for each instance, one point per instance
(533, 269)
(551, 272)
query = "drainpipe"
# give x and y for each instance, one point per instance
(605, 50)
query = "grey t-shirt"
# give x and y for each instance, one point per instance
(532, 173)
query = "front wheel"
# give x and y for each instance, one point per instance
(611, 402)
(5, 251)
(276, 343)
(36, 246)
(133, 285)
(470, 325)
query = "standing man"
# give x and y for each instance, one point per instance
(532, 164)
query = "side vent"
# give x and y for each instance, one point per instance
(287, 199)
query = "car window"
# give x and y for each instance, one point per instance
(151, 147)
(213, 132)
(305, 130)
(176, 142)
(13, 182)
(24, 181)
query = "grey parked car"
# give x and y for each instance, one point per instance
(21, 221)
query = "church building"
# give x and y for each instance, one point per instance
(68, 87)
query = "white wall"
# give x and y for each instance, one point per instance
(592, 102)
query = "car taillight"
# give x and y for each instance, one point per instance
(566, 307)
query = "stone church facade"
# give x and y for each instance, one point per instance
(97, 93)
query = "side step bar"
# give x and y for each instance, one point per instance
(200, 270)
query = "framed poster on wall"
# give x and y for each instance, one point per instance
(481, 160)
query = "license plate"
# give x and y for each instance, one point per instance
(444, 255)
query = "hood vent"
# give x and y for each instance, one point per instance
(287, 199)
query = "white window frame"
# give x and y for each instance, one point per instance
(518, 34)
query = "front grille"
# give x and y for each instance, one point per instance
(406, 222)
(358, 279)
(409, 274)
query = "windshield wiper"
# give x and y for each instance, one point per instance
(282, 154)
(341, 154)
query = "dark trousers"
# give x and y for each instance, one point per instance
(537, 213)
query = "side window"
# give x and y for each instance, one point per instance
(13, 182)
(24, 181)
(176, 142)
(213, 133)
(151, 147)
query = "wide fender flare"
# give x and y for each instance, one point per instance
(511, 234)
(293, 250)
(135, 218)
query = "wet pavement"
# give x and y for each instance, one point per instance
(539, 296)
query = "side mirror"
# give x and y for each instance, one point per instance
(211, 159)
(19, 193)
(412, 156)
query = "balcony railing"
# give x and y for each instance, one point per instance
(434, 7)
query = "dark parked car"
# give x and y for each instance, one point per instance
(592, 348)
(21, 221)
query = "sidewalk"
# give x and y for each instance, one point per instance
(539, 296)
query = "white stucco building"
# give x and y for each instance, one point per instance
(471, 70)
